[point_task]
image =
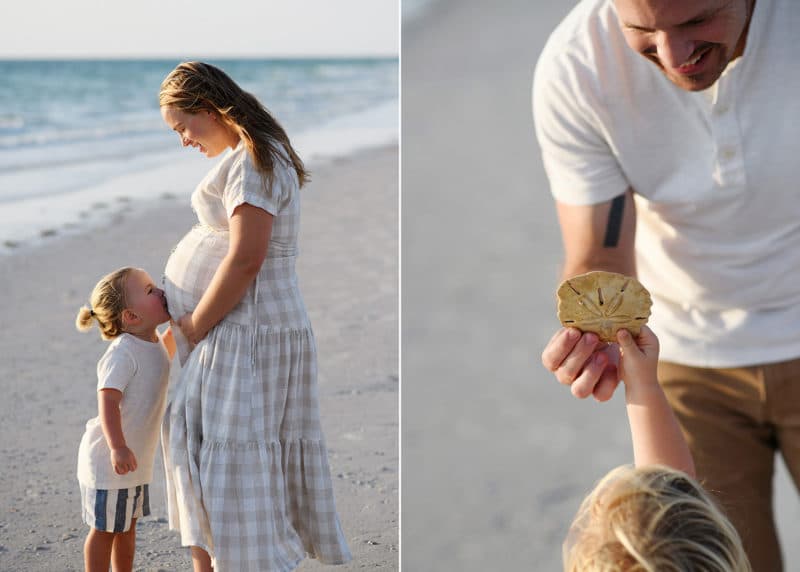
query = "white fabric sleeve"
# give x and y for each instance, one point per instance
(246, 185)
(579, 163)
(115, 369)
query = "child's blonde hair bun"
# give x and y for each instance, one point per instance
(107, 303)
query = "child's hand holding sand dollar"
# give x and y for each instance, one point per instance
(593, 307)
(638, 358)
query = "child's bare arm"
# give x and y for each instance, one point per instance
(657, 437)
(122, 458)
(168, 339)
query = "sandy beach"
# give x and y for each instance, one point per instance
(496, 455)
(348, 271)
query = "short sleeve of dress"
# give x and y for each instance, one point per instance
(246, 185)
(115, 369)
(578, 160)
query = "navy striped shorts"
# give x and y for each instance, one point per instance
(112, 510)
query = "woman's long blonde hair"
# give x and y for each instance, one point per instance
(196, 86)
(652, 519)
(107, 302)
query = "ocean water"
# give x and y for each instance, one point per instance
(81, 136)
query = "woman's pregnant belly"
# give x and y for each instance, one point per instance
(273, 300)
(190, 268)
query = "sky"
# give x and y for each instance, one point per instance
(198, 28)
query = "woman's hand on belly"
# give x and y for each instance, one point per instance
(190, 329)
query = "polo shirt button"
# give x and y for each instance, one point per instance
(722, 109)
(728, 153)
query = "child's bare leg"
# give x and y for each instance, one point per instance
(201, 560)
(123, 549)
(97, 550)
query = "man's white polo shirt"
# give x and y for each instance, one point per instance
(716, 175)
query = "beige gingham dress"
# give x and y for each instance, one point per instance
(246, 463)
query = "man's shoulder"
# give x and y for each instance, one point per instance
(586, 55)
(589, 25)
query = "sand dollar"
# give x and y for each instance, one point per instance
(603, 302)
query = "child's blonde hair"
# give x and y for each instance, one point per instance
(652, 519)
(107, 303)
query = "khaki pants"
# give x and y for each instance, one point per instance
(734, 421)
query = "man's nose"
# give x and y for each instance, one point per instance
(184, 141)
(674, 49)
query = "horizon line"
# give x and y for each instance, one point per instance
(108, 57)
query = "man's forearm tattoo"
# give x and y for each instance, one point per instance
(614, 222)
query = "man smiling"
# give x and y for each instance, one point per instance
(668, 130)
(690, 42)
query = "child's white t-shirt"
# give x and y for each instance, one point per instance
(140, 370)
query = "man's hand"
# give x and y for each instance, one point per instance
(584, 363)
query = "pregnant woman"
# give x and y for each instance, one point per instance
(248, 481)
